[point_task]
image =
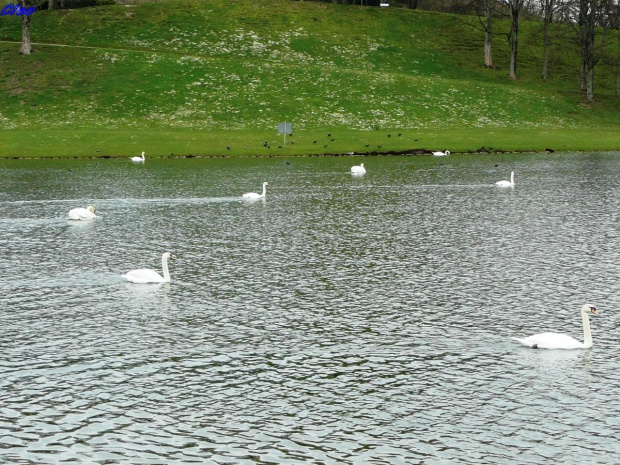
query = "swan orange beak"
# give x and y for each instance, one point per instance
(594, 312)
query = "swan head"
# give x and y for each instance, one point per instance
(167, 256)
(362, 165)
(447, 152)
(588, 310)
(91, 209)
(265, 183)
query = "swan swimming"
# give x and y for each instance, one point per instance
(82, 214)
(562, 341)
(358, 169)
(138, 159)
(441, 154)
(145, 276)
(254, 195)
(510, 183)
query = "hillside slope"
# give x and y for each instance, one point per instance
(222, 65)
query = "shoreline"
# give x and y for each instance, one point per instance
(412, 153)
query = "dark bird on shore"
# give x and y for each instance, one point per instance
(329, 135)
(389, 135)
(367, 145)
(332, 139)
(279, 146)
(379, 146)
(399, 135)
(227, 147)
(314, 142)
(325, 146)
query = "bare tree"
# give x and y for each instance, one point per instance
(488, 33)
(592, 27)
(485, 12)
(548, 10)
(514, 10)
(614, 23)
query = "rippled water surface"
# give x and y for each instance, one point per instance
(341, 320)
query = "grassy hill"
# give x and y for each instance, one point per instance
(214, 77)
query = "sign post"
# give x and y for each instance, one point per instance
(285, 128)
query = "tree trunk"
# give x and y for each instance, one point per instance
(26, 48)
(513, 38)
(589, 53)
(618, 69)
(590, 85)
(582, 72)
(488, 39)
(413, 4)
(618, 78)
(549, 5)
(50, 4)
(545, 70)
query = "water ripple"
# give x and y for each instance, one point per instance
(339, 321)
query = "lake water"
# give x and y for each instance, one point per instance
(341, 320)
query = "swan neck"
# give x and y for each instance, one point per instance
(587, 334)
(164, 265)
(264, 190)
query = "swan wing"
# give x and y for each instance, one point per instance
(550, 341)
(503, 183)
(144, 276)
(252, 195)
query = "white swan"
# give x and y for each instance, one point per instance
(562, 341)
(138, 159)
(254, 195)
(145, 276)
(82, 214)
(510, 183)
(441, 154)
(358, 169)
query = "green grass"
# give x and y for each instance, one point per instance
(195, 77)
(80, 143)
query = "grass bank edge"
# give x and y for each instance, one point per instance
(99, 143)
